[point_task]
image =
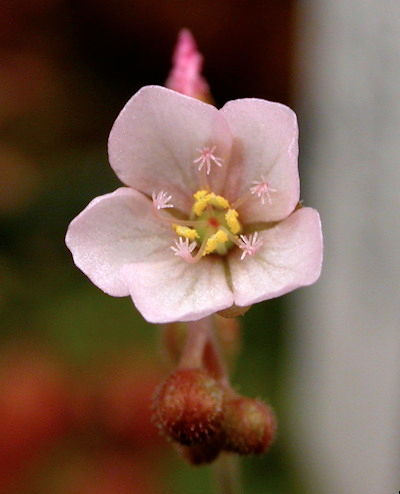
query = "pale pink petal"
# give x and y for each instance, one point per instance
(114, 230)
(265, 147)
(173, 290)
(156, 138)
(290, 257)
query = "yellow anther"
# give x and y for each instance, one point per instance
(200, 194)
(186, 232)
(202, 201)
(218, 201)
(220, 237)
(205, 198)
(199, 206)
(231, 218)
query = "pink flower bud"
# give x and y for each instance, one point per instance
(249, 426)
(188, 407)
(185, 76)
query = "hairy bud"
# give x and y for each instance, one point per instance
(249, 426)
(200, 454)
(188, 407)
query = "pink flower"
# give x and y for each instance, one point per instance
(209, 217)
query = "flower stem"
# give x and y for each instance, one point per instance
(227, 476)
(214, 361)
(198, 334)
(202, 349)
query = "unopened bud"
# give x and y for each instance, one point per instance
(188, 407)
(199, 454)
(185, 76)
(249, 426)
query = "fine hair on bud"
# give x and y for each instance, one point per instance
(249, 426)
(199, 454)
(188, 407)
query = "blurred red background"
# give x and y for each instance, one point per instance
(77, 369)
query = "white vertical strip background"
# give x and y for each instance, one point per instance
(346, 335)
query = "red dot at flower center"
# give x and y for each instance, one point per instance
(213, 222)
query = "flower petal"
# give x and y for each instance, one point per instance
(291, 256)
(113, 230)
(173, 290)
(265, 145)
(156, 138)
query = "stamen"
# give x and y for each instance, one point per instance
(242, 199)
(184, 249)
(205, 199)
(249, 244)
(161, 200)
(213, 242)
(231, 218)
(233, 238)
(207, 158)
(185, 223)
(262, 190)
(184, 231)
(218, 201)
(200, 206)
(200, 194)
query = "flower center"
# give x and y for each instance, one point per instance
(214, 225)
(213, 222)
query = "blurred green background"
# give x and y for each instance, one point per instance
(77, 367)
